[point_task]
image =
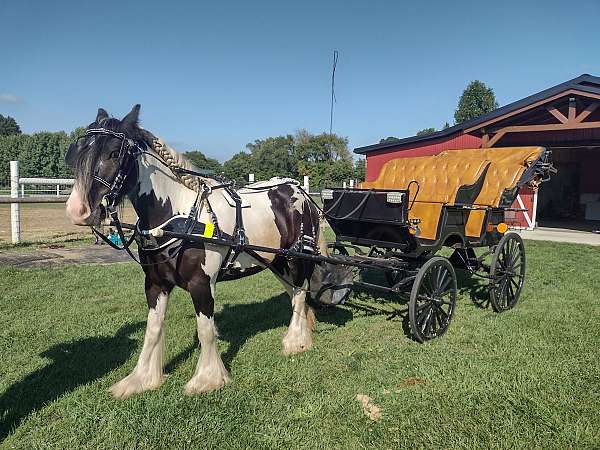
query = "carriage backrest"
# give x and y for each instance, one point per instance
(507, 166)
(439, 177)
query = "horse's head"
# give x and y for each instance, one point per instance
(103, 161)
(330, 284)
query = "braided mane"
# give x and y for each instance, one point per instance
(175, 160)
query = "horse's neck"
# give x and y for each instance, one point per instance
(158, 194)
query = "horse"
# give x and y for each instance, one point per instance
(117, 159)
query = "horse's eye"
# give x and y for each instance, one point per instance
(114, 154)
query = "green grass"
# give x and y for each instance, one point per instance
(529, 377)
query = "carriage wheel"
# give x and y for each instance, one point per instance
(432, 299)
(507, 272)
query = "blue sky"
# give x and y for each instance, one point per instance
(216, 75)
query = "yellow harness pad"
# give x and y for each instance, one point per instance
(209, 230)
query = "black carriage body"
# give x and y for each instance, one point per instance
(366, 217)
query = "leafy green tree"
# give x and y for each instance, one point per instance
(476, 99)
(360, 169)
(325, 158)
(201, 161)
(8, 126)
(273, 157)
(238, 167)
(425, 131)
(388, 140)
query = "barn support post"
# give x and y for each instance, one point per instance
(15, 219)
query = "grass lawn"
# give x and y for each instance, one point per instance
(529, 377)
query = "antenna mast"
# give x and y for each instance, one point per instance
(333, 99)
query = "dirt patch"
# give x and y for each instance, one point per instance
(47, 223)
(92, 254)
(412, 381)
(370, 410)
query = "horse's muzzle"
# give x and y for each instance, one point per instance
(78, 210)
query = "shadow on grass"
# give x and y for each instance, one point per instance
(239, 323)
(73, 364)
(477, 288)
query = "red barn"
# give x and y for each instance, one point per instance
(564, 118)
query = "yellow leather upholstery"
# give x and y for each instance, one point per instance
(508, 165)
(429, 214)
(441, 176)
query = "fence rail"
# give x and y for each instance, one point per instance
(53, 186)
(17, 183)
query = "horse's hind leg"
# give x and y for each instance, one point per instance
(210, 371)
(148, 372)
(299, 335)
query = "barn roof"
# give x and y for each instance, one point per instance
(584, 83)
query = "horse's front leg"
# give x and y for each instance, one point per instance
(148, 372)
(299, 335)
(210, 371)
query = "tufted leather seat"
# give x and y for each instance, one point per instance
(441, 176)
(508, 165)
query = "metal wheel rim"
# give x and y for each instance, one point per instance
(433, 299)
(508, 273)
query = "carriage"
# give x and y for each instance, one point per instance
(394, 225)
(458, 199)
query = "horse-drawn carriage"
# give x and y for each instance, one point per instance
(416, 206)
(193, 231)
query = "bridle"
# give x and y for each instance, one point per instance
(128, 152)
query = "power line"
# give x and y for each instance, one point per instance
(333, 99)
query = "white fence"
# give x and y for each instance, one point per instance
(18, 184)
(55, 195)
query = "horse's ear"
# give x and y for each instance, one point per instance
(131, 118)
(102, 114)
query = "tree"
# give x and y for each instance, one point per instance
(425, 131)
(360, 169)
(238, 167)
(8, 126)
(388, 140)
(325, 158)
(476, 99)
(446, 126)
(200, 160)
(273, 157)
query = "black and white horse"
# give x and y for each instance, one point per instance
(117, 158)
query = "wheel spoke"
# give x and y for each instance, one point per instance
(512, 281)
(511, 292)
(442, 315)
(425, 322)
(421, 315)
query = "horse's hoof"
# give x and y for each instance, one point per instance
(132, 384)
(293, 345)
(200, 384)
